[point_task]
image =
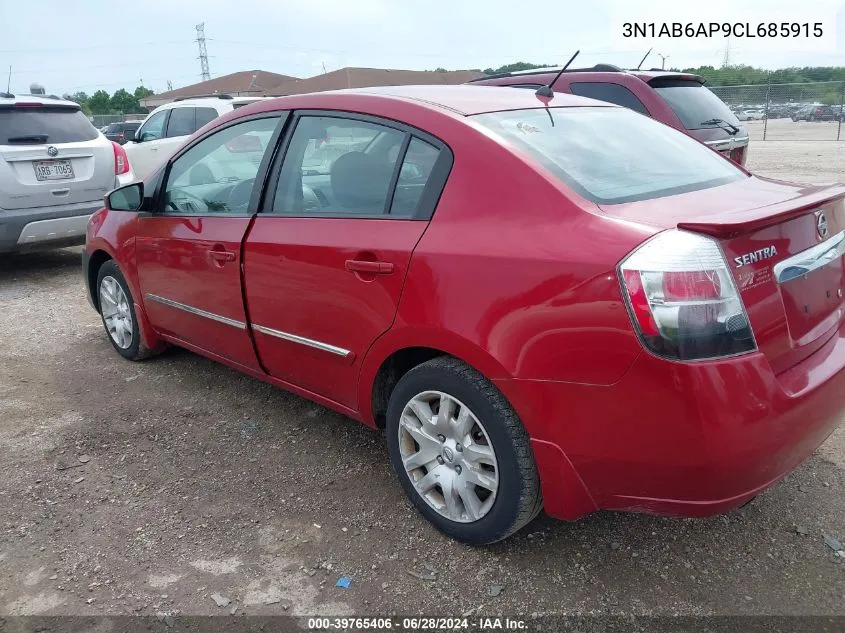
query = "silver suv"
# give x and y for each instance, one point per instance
(55, 168)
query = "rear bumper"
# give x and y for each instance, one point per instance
(45, 227)
(689, 439)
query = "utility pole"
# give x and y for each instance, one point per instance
(663, 59)
(9, 83)
(726, 59)
(203, 53)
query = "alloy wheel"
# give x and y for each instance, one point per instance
(117, 316)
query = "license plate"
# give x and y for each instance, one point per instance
(52, 169)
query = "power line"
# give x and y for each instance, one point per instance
(75, 49)
(203, 53)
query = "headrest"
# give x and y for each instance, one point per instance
(360, 182)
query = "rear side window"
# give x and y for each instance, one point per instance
(585, 149)
(694, 104)
(204, 115)
(414, 174)
(612, 93)
(181, 122)
(38, 125)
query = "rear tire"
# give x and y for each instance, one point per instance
(461, 453)
(117, 311)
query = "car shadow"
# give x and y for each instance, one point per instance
(14, 265)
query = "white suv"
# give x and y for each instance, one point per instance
(55, 168)
(169, 125)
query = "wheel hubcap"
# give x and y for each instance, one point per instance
(448, 456)
(114, 306)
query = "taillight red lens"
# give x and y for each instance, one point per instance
(639, 302)
(121, 160)
(691, 286)
(683, 300)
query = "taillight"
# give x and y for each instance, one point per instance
(683, 300)
(121, 160)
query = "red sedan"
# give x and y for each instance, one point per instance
(545, 303)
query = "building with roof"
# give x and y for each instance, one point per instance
(353, 77)
(246, 83)
(256, 83)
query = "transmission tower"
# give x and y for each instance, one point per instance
(203, 53)
(726, 60)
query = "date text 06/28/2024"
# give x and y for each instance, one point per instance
(416, 623)
(770, 30)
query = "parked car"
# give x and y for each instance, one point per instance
(169, 125)
(750, 115)
(660, 331)
(816, 113)
(117, 132)
(679, 100)
(55, 168)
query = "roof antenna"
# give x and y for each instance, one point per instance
(546, 91)
(644, 58)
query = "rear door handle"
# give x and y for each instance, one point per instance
(222, 256)
(373, 268)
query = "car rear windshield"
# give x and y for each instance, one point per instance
(695, 105)
(22, 125)
(114, 128)
(612, 155)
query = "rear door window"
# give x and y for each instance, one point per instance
(205, 115)
(182, 122)
(694, 104)
(612, 93)
(338, 167)
(36, 125)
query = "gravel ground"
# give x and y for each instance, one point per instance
(140, 488)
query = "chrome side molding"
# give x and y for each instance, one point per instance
(345, 353)
(811, 259)
(302, 340)
(192, 310)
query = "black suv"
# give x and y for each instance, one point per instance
(117, 131)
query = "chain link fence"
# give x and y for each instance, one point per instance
(101, 120)
(813, 111)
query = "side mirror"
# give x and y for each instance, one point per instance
(128, 198)
(129, 134)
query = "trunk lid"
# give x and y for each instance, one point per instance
(91, 162)
(784, 244)
(51, 155)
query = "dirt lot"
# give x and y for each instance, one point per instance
(145, 488)
(791, 156)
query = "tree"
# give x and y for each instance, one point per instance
(141, 92)
(99, 102)
(123, 102)
(515, 67)
(82, 99)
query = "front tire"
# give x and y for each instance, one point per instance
(117, 311)
(461, 453)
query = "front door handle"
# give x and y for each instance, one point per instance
(372, 268)
(222, 256)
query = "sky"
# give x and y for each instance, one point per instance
(88, 45)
